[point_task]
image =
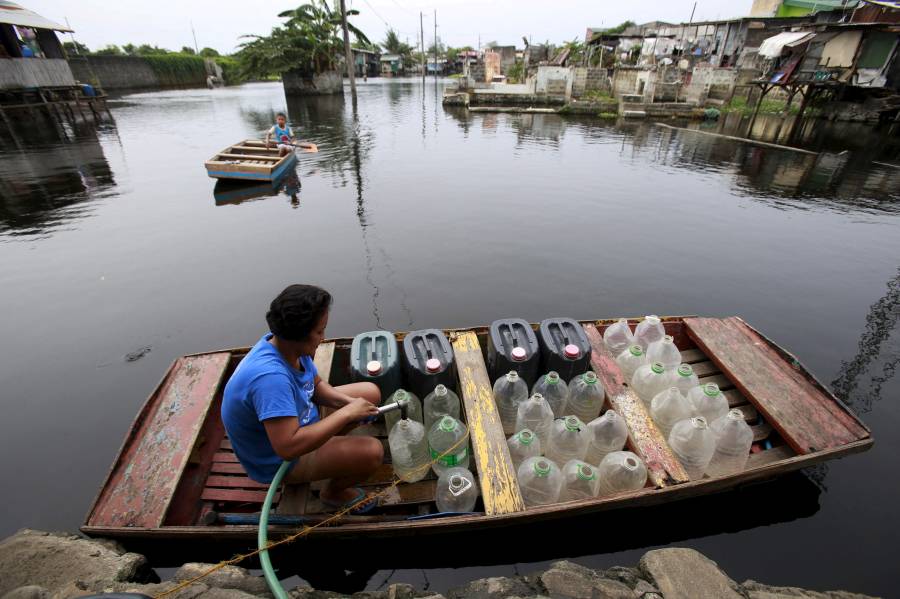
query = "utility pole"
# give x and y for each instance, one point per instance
(348, 55)
(422, 44)
(435, 45)
(193, 33)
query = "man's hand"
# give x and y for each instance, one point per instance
(358, 409)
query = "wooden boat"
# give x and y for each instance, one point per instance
(250, 160)
(176, 470)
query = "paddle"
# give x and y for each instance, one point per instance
(306, 146)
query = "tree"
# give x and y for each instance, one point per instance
(130, 49)
(109, 50)
(621, 27)
(576, 51)
(148, 50)
(431, 49)
(73, 48)
(187, 50)
(209, 53)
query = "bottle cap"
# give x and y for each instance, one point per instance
(440, 390)
(572, 423)
(636, 350)
(373, 367)
(519, 354)
(657, 367)
(552, 377)
(589, 377)
(585, 472)
(433, 365)
(685, 370)
(572, 351)
(400, 395)
(525, 436)
(711, 389)
(448, 423)
(542, 467)
(735, 414)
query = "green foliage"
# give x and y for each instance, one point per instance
(231, 70)
(130, 49)
(177, 69)
(515, 73)
(187, 50)
(148, 50)
(768, 106)
(621, 27)
(393, 45)
(576, 51)
(109, 50)
(73, 48)
(209, 53)
(608, 115)
(596, 95)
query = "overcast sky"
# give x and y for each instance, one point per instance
(219, 23)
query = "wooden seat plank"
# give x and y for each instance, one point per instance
(226, 468)
(234, 495)
(692, 356)
(644, 437)
(234, 482)
(225, 456)
(705, 369)
(144, 478)
(248, 157)
(804, 415)
(497, 475)
(770, 456)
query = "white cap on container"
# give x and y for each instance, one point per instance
(519, 354)
(373, 367)
(572, 351)
(433, 365)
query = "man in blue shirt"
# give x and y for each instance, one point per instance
(271, 406)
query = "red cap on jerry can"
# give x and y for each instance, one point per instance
(373, 367)
(433, 365)
(519, 354)
(572, 351)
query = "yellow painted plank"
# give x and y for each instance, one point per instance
(496, 474)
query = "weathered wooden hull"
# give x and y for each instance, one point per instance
(250, 160)
(204, 477)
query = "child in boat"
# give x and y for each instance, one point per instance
(270, 407)
(283, 135)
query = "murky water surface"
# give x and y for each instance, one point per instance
(118, 254)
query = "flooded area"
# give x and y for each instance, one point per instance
(118, 254)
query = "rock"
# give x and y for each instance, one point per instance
(755, 590)
(491, 588)
(189, 592)
(57, 561)
(219, 593)
(401, 590)
(227, 577)
(31, 591)
(628, 576)
(645, 590)
(310, 593)
(681, 573)
(566, 579)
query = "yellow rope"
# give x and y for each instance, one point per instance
(306, 529)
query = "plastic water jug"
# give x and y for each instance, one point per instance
(448, 443)
(649, 380)
(580, 481)
(540, 481)
(621, 472)
(618, 337)
(693, 443)
(509, 391)
(586, 397)
(708, 401)
(409, 450)
(512, 345)
(632, 358)
(375, 357)
(413, 408)
(523, 445)
(568, 440)
(535, 414)
(554, 390)
(607, 434)
(649, 330)
(683, 377)
(665, 352)
(564, 347)
(442, 401)
(668, 407)
(456, 491)
(733, 440)
(428, 361)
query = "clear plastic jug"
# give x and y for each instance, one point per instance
(569, 440)
(708, 401)
(618, 337)
(733, 440)
(649, 380)
(456, 491)
(523, 445)
(607, 434)
(586, 397)
(580, 481)
(649, 330)
(665, 352)
(509, 391)
(683, 377)
(535, 414)
(540, 481)
(555, 391)
(448, 444)
(409, 450)
(630, 360)
(668, 407)
(413, 408)
(621, 472)
(442, 401)
(693, 443)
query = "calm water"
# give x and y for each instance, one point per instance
(118, 254)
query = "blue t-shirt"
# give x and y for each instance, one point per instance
(264, 386)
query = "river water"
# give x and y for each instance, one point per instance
(118, 254)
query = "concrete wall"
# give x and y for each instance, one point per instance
(556, 81)
(589, 79)
(18, 73)
(330, 82)
(764, 8)
(625, 80)
(709, 81)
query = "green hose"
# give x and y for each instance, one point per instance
(263, 537)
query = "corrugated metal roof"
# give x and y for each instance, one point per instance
(13, 14)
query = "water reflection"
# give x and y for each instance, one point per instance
(231, 192)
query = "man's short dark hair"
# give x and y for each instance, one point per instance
(293, 314)
(280, 114)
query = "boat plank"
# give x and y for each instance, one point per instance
(645, 439)
(234, 482)
(226, 468)
(496, 473)
(249, 157)
(323, 359)
(704, 369)
(692, 356)
(149, 468)
(803, 415)
(225, 456)
(234, 495)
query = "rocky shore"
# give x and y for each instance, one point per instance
(41, 565)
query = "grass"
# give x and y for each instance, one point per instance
(768, 106)
(608, 115)
(177, 69)
(597, 96)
